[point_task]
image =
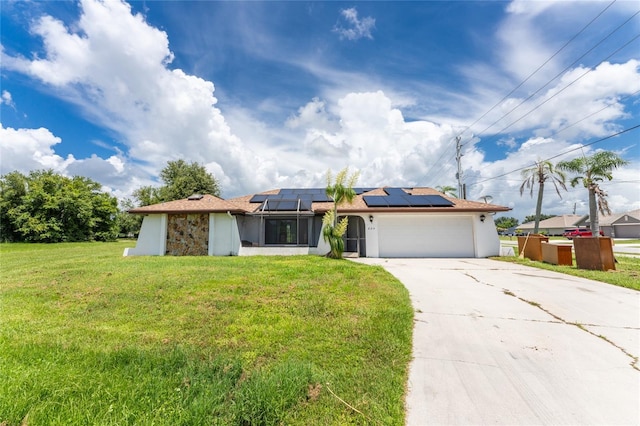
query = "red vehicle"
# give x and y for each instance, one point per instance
(578, 232)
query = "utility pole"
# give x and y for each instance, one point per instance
(461, 189)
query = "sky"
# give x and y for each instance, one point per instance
(273, 94)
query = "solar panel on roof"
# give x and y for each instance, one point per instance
(258, 198)
(397, 201)
(359, 191)
(305, 204)
(395, 191)
(429, 201)
(281, 205)
(375, 201)
(318, 195)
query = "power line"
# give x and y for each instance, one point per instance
(561, 90)
(561, 154)
(505, 97)
(584, 118)
(438, 161)
(561, 73)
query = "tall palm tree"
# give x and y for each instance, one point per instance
(542, 172)
(592, 170)
(339, 191)
(448, 190)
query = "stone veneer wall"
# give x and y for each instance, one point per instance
(188, 235)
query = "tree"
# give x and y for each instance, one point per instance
(592, 170)
(339, 192)
(506, 222)
(48, 207)
(542, 172)
(448, 190)
(181, 179)
(542, 217)
(13, 186)
(128, 224)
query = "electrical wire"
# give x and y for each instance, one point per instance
(560, 155)
(505, 97)
(559, 91)
(442, 164)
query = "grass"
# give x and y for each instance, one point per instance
(627, 273)
(90, 337)
(629, 241)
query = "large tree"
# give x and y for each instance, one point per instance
(543, 171)
(48, 207)
(339, 191)
(128, 224)
(181, 179)
(591, 171)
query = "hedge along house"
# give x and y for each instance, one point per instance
(383, 222)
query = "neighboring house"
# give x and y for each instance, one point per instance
(621, 225)
(383, 222)
(554, 225)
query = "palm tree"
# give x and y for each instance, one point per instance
(590, 171)
(447, 190)
(339, 192)
(542, 172)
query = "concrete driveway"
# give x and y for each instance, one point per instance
(498, 343)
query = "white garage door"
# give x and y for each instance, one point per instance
(425, 236)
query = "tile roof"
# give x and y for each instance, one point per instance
(206, 204)
(564, 221)
(242, 204)
(611, 219)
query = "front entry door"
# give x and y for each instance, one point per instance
(354, 238)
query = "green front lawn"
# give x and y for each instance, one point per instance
(90, 337)
(627, 273)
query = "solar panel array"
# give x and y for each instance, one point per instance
(284, 200)
(294, 199)
(398, 197)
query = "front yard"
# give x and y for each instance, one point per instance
(90, 337)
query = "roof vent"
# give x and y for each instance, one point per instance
(195, 197)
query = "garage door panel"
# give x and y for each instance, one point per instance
(627, 231)
(421, 236)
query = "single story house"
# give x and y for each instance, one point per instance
(383, 222)
(620, 225)
(554, 225)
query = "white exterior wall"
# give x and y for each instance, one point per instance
(323, 247)
(487, 240)
(152, 238)
(224, 237)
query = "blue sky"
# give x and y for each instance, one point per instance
(272, 94)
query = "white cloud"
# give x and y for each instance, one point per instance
(355, 28)
(25, 150)
(624, 194)
(115, 67)
(29, 149)
(7, 99)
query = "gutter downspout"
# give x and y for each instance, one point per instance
(230, 233)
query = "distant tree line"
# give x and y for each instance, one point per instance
(45, 206)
